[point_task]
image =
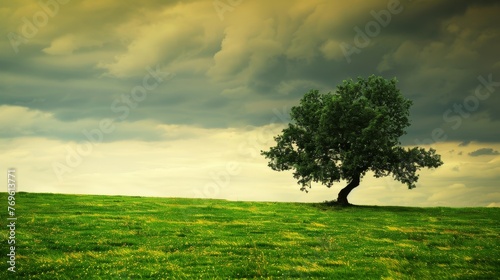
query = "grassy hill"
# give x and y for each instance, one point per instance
(118, 237)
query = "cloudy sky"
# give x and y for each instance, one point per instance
(177, 98)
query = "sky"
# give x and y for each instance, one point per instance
(178, 98)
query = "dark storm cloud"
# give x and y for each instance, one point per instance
(260, 58)
(484, 152)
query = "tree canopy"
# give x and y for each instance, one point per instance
(342, 135)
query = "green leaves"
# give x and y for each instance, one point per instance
(404, 163)
(336, 136)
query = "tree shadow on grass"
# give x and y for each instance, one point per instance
(333, 205)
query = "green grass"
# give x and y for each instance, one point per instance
(118, 237)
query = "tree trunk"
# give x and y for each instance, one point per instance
(342, 198)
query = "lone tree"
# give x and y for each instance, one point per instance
(343, 135)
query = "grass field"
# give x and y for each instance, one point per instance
(117, 237)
